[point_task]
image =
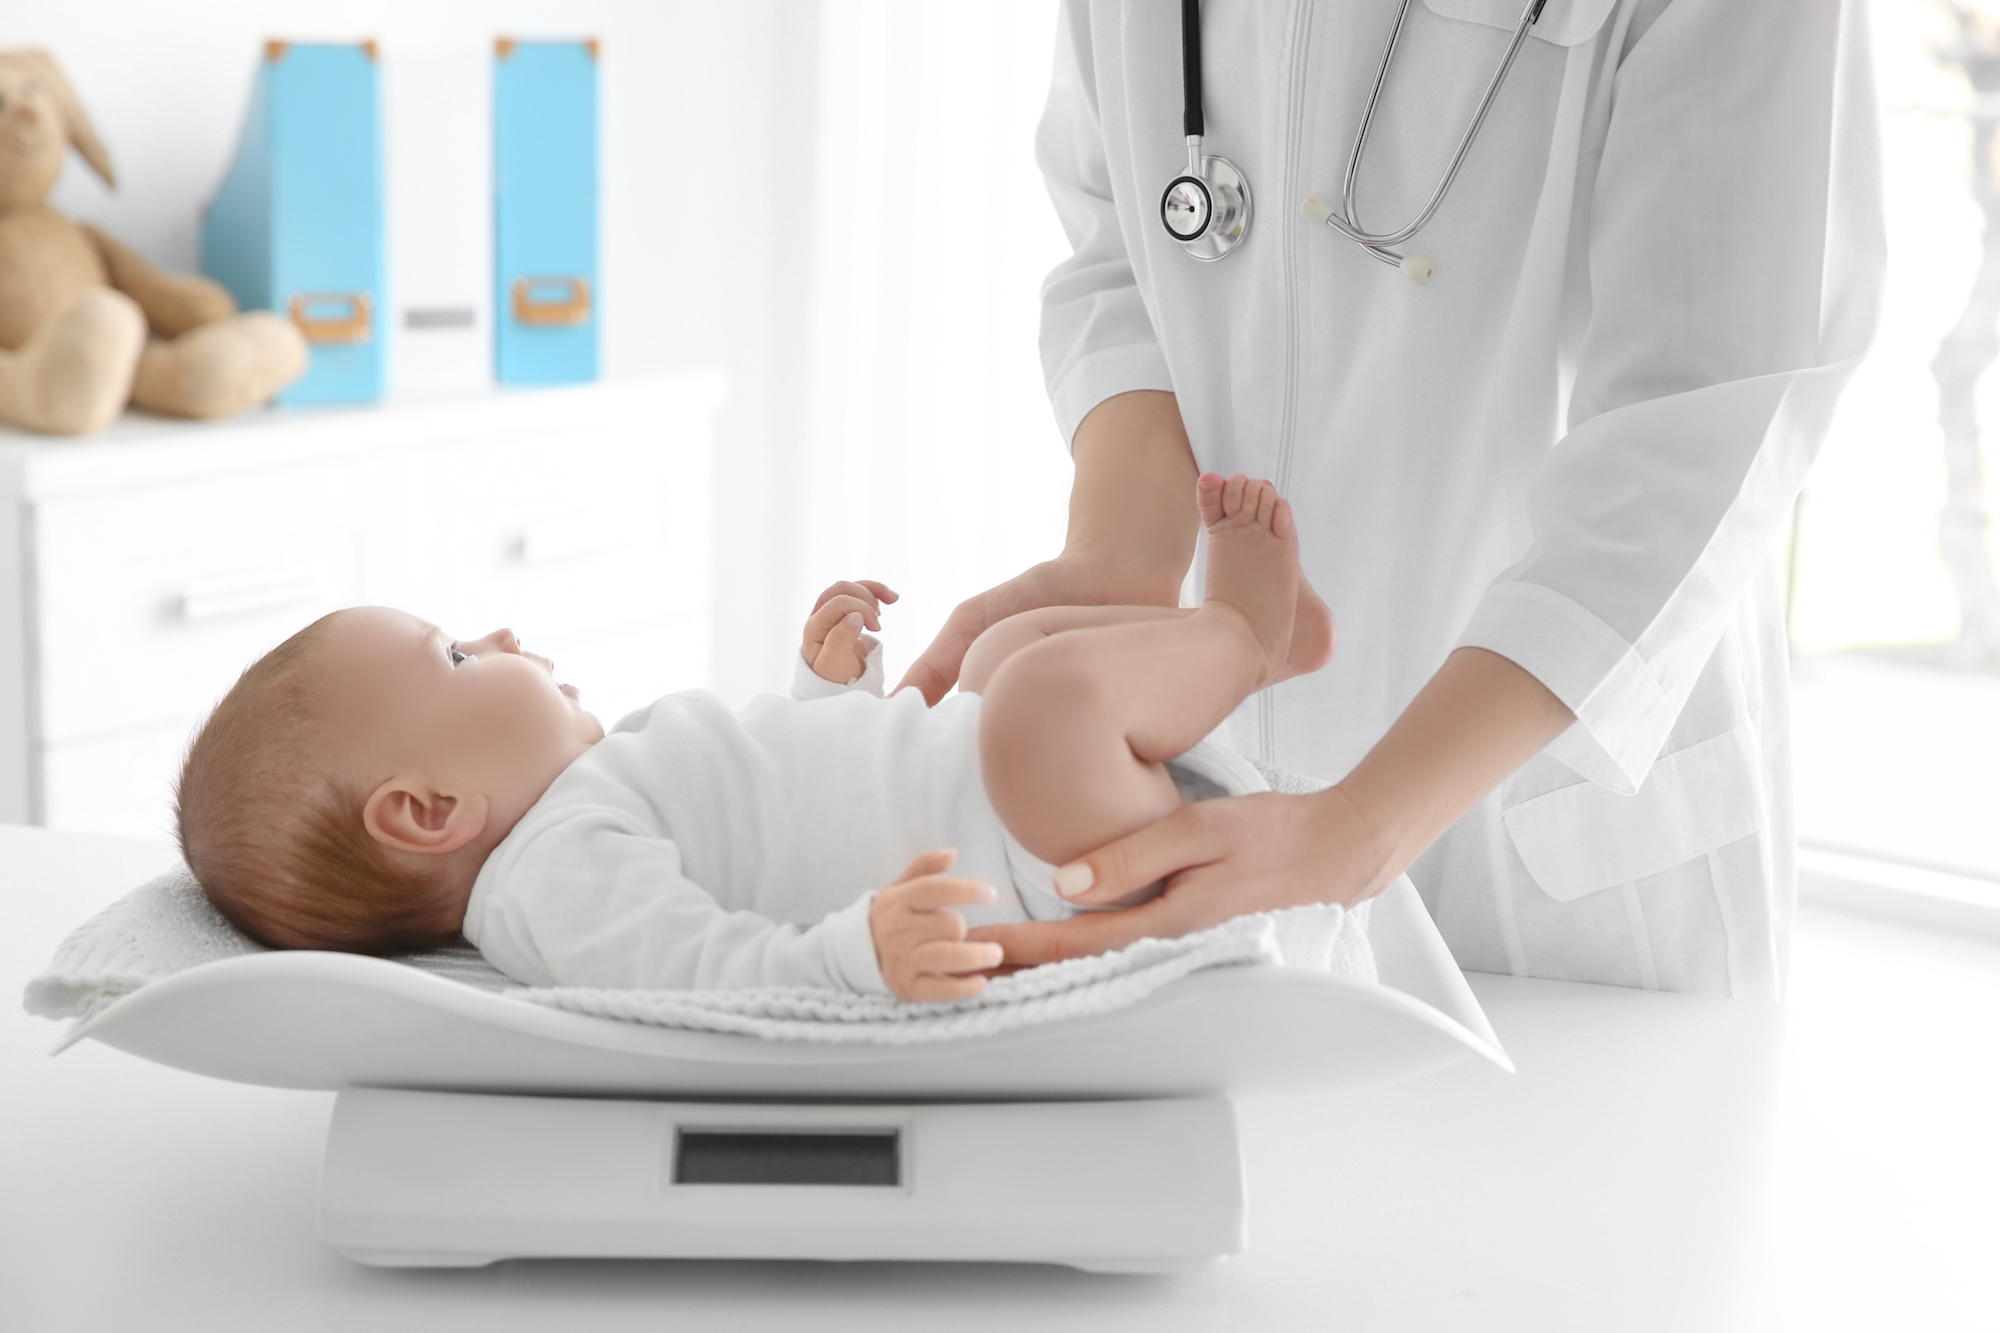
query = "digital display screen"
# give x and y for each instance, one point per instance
(780, 1157)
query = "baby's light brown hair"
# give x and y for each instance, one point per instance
(272, 829)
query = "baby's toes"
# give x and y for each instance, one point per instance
(1208, 498)
(1232, 493)
(1282, 522)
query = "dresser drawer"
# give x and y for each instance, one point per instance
(150, 602)
(546, 536)
(120, 784)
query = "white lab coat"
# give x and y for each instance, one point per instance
(1577, 446)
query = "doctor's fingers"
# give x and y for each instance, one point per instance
(932, 989)
(1032, 943)
(1193, 835)
(947, 958)
(936, 670)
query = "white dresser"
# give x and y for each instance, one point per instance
(141, 570)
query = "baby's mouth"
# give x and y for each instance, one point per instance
(570, 692)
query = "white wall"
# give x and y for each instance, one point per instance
(932, 459)
(715, 98)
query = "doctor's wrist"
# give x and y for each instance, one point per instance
(1372, 848)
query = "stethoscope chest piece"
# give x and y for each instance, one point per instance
(1207, 210)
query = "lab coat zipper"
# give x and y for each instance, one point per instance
(1288, 260)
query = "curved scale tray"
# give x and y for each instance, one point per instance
(324, 1020)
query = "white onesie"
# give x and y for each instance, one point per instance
(698, 847)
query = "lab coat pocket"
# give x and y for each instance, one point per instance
(1563, 22)
(1582, 838)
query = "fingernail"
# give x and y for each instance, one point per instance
(1075, 879)
(852, 620)
(987, 890)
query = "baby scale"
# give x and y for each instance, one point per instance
(471, 1127)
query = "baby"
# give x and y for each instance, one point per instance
(372, 785)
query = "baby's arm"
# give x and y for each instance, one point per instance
(920, 941)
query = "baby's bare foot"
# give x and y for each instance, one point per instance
(1313, 635)
(1253, 563)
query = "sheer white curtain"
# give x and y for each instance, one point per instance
(931, 460)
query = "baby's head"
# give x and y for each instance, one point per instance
(345, 792)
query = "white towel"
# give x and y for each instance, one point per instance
(167, 925)
(1321, 938)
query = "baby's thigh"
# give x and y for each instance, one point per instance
(1054, 758)
(1004, 638)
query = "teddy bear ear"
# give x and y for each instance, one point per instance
(40, 66)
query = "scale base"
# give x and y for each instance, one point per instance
(455, 1180)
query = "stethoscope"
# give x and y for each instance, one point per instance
(1207, 208)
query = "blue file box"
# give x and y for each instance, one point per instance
(545, 300)
(297, 224)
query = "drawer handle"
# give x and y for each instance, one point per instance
(551, 302)
(545, 544)
(334, 317)
(244, 595)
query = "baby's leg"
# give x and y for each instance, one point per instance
(1076, 728)
(1016, 632)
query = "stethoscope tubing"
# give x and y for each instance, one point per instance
(1343, 220)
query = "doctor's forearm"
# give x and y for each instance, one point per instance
(1133, 500)
(1480, 718)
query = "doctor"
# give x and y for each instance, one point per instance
(1543, 490)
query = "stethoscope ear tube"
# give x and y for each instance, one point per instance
(1191, 125)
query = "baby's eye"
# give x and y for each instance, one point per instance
(457, 656)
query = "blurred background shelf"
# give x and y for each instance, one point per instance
(142, 570)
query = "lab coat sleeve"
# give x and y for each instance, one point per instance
(808, 684)
(1097, 339)
(588, 902)
(1735, 254)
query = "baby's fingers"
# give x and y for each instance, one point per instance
(836, 609)
(928, 863)
(934, 892)
(840, 654)
(954, 957)
(862, 590)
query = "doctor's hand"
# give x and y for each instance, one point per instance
(920, 941)
(833, 647)
(1220, 859)
(1067, 580)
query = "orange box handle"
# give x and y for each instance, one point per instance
(355, 325)
(534, 305)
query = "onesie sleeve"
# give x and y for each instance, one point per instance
(808, 684)
(1097, 339)
(1735, 257)
(587, 902)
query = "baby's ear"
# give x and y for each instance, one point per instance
(410, 815)
(42, 69)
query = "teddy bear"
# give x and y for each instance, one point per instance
(86, 323)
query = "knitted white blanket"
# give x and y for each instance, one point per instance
(1321, 938)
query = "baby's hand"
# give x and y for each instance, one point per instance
(920, 942)
(833, 632)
